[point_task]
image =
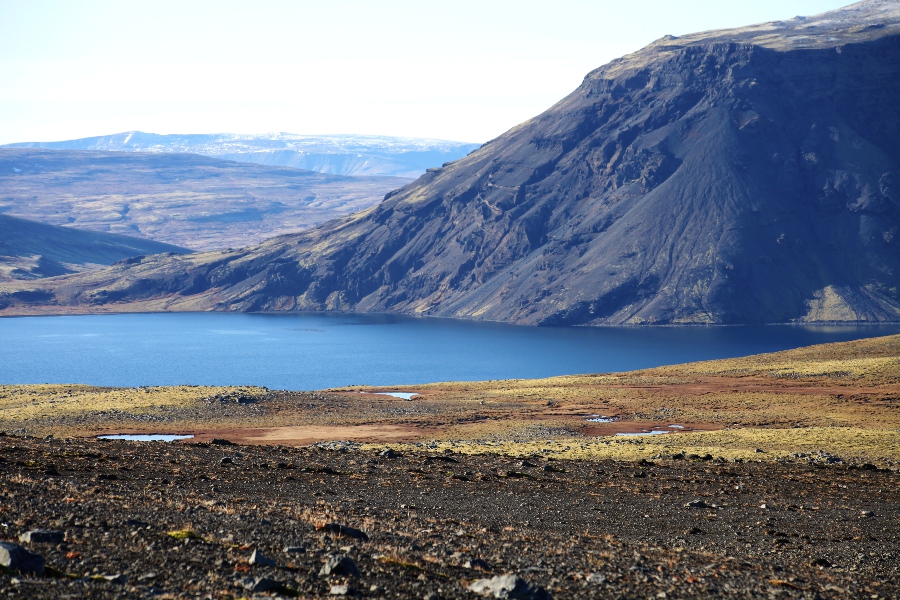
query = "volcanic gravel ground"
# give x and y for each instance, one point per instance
(176, 520)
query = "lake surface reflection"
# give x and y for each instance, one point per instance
(314, 351)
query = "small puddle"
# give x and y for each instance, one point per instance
(599, 419)
(641, 433)
(401, 395)
(145, 437)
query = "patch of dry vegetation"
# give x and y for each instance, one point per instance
(28, 402)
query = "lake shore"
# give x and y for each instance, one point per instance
(835, 398)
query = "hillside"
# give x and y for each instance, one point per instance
(192, 201)
(742, 176)
(30, 250)
(334, 154)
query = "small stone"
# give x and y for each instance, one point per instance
(294, 549)
(339, 590)
(16, 558)
(596, 578)
(257, 558)
(262, 584)
(697, 504)
(220, 442)
(693, 531)
(339, 565)
(137, 523)
(509, 586)
(147, 576)
(226, 460)
(344, 530)
(117, 578)
(867, 513)
(388, 453)
(477, 563)
(42, 536)
(760, 451)
(431, 596)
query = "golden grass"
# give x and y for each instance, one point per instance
(876, 445)
(25, 402)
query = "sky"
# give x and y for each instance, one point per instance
(463, 70)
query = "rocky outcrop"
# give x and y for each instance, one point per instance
(730, 177)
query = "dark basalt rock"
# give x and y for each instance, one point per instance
(742, 176)
(19, 560)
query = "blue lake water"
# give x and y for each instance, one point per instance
(314, 351)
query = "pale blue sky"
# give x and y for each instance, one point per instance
(462, 69)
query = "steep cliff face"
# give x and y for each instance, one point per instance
(697, 181)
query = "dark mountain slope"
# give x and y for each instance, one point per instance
(30, 250)
(698, 180)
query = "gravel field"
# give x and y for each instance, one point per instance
(216, 520)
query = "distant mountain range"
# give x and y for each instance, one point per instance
(30, 250)
(741, 176)
(334, 154)
(193, 201)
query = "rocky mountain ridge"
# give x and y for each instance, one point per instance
(703, 181)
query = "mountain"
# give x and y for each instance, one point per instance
(741, 176)
(192, 201)
(334, 154)
(30, 250)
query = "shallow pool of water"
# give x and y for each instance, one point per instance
(145, 437)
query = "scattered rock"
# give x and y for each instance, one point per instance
(820, 562)
(347, 531)
(595, 578)
(339, 590)
(509, 586)
(42, 536)
(16, 558)
(136, 523)
(693, 531)
(477, 563)
(257, 558)
(698, 504)
(118, 578)
(339, 565)
(294, 550)
(226, 460)
(262, 584)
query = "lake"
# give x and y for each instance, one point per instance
(314, 351)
